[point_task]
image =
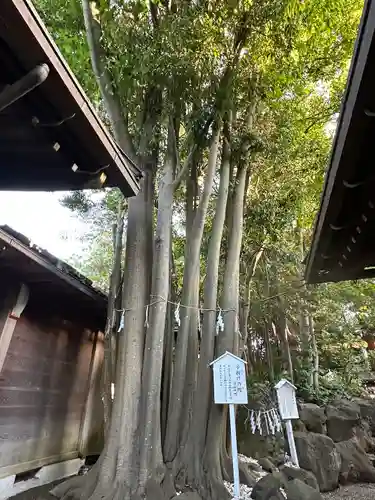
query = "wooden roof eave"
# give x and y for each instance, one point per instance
(33, 45)
(330, 207)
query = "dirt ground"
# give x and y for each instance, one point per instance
(39, 493)
(353, 492)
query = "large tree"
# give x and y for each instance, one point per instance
(185, 86)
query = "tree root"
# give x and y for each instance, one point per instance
(208, 484)
(245, 475)
(168, 485)
(62, 489)
(213, 488)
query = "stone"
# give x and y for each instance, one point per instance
(317, 454)
(247, 476)
(298, 490)
(371, 457)
(279, 460)
(59, 470)
(298, 426)
(355, 464)
(313, 417)
(187, 495)
(363, 435)
(343, 417)
(155, 491)
(253, 466)
(367, 410)
(6, 486)
(267, 464)
(257, 446)
(268, 487)
(303, 475)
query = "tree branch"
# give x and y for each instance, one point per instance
(185, 168)
(154, 14)
(111, 100)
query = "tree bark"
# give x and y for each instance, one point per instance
(216, 459)
(315, 353)
(230, 295)
(109, 350)
(246, 308)
(111, 101)
(269, 354)
(202, 398)
(168, 353)
(151, 458)
(116, 474)
(172, 440)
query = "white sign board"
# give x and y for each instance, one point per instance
(286, 397)
(229, 380)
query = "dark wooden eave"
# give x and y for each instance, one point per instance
(49, 278)
(343, 245)
(55, 112)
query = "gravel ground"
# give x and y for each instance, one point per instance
(39, 493)
(353, 492)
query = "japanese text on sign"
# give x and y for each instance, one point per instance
(229, 381)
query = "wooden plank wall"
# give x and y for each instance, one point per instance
(92, 431)
(43, 390)
(96, 429)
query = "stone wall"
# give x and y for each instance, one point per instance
(335, 443)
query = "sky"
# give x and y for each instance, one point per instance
(42, 218)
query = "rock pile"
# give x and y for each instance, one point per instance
(338, 453)
(334, 446)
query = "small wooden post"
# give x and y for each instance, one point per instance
(13, 316)
(87, 415)
(286, 397)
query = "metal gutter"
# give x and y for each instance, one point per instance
(23, 86)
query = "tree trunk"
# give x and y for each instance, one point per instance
(109, 350)
(269, 354)
(116, 474)
(168, 353)
(203, 397)
(315, 353)
(176, 409)
(230, 296)
(287, 352)
(246, 310)
(216, 459)
(151, 458)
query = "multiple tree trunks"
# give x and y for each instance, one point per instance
(164, 433)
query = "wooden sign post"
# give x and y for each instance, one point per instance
(230, 388)
(286, 397)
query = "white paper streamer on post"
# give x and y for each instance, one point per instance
(146, 318)
(253, 423)
(219, 323)
(270, 422)
(122, 321)
(259, 423)
(177, 315)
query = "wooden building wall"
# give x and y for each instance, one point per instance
(44, 388)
